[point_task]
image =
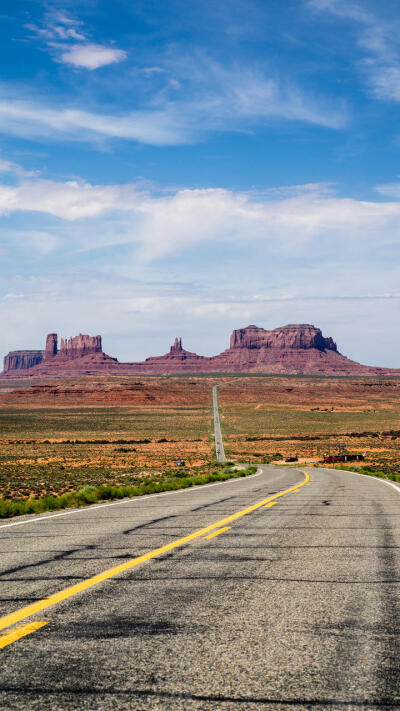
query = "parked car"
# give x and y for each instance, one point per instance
(331, 458)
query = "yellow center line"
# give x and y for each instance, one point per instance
(18, 632)
(216, 533)
(25, 612)
(268, 506)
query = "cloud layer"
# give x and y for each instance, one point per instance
(162, 225)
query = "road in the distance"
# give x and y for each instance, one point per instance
(294, 606)
(219, 445)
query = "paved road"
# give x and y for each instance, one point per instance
(219, 445)
(293, 606)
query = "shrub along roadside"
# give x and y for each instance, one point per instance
(94, 494)
(369, 471)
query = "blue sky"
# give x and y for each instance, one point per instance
(177, 168)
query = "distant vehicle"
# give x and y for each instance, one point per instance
(331, 458)
(179, 463)
(291, 459)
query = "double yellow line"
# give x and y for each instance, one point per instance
(20, 615)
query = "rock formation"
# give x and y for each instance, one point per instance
(296, 349)
(52, 359)
(80, 346)
(287, 337)
(176, 346)
(177, 359)
(51, 345)
(21, 360)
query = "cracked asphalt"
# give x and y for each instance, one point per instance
(296, 606)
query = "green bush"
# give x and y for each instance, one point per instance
(369, 470)
(93, 494)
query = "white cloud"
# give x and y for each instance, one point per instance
(58, 25)
(205, 260)
(7, 166)
(35, 120)
(68, 201)
(391, 190)
(59, 29)
(160, 226)
(379, 40)
(193, 217)
(153, 70)
(91, 56)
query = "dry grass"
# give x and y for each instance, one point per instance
(310, 416)
(58, 437)
(59, 447)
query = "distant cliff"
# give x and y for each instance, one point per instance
(296, 348)
(22, 360)
(287, 337)
(70, 348)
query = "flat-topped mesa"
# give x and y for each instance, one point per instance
(293, 336)
(79, 346)
(22, 360)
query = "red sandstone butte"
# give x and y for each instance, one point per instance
(292, 349)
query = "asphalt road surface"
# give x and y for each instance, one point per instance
(219, 445)
(248, 605)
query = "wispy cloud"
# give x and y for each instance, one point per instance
(377, 39)
(67, 41)
(58, 24)
(218, 99)
(7, 166)
(391, 190)
(32, 119)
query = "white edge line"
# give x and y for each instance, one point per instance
(126, 501)
(366, 476)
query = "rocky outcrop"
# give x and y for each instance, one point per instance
(80, 346)
(21, 360)
(287, 337)
(177, 359)
(51, 345)
(176, 346)
(292, 349)
(70, 349)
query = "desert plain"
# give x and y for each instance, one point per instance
(57, 436)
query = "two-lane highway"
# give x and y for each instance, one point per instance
(219, 444)
(258, 600)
